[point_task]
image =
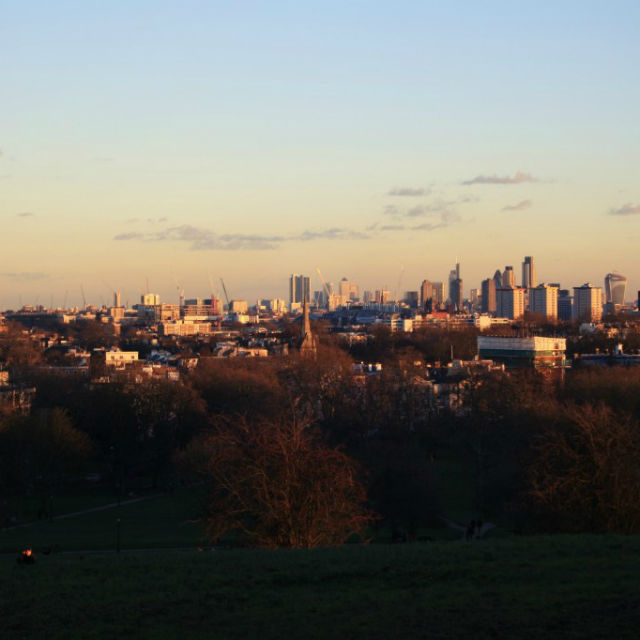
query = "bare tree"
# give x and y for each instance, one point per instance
(585, 473)
(278, 485)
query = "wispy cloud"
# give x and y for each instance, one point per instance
(411, 192)
(200, 239)
(521, 206)
(147, 220)
(204, 239)
(23, 276)
(335, 233)
(437, 207)
(517, 178)
(130, 236)
(627, 209)
(26, 214)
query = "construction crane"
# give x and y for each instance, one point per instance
(113, 291)
(324, 285)
(399, 287)
(226, 295)
(180, 291)
(212, 299)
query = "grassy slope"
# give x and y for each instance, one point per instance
(565, 587)
(165, 520)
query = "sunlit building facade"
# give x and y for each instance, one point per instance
(587, 303)
(543, 300)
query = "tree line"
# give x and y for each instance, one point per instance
(300, 452)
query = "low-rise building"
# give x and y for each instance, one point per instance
(182, 328)
(535, 351)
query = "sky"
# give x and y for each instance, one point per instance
(177, 143)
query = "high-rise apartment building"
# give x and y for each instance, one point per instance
(299, 289)
(510, 303)
(529, 279)
(116, 299)
(543, 300)
(615, 285)
(587, 303)
(508, 277)
(488, 296)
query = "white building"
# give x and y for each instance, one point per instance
(535, 351)
(182, 328)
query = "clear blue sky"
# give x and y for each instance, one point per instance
(250, 140)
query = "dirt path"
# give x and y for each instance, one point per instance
(73, 514)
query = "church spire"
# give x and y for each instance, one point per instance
(308, 344)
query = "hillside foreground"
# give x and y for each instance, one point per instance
(524, 587)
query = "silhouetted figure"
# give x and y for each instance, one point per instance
(470, 531)
(475, 530)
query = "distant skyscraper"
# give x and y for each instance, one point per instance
(508, 277)
(426, 292)
(299, 289)
(510, 303)
(615, 285)
(489, 296)
(565, 305)
(497, 279)
(457, 295)
(411, 298)
(454, 275)
(543, 300)
(587, 303)
(529, 279)
(150, 299)
(349, 291)
(116, 299)
(438, 292)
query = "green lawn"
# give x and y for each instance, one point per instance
(537, 587)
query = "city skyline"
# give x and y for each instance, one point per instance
(174, 292)
(291, 291)
(161, 142)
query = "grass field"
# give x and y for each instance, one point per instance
(164, 520)
(539, 587)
